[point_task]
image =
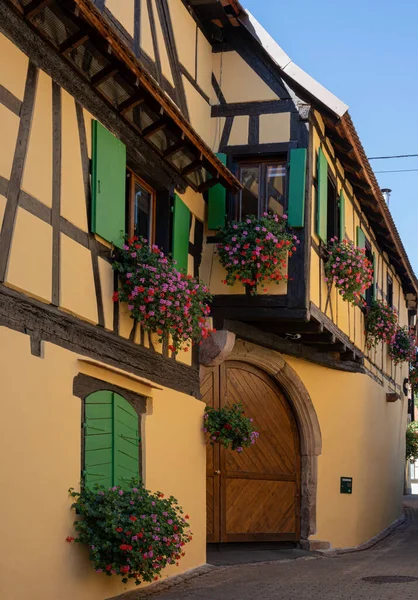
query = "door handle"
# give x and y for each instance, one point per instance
(217, 472)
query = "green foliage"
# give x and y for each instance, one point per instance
(411, 441)
(255, 250)
(381, 323)
(230, 427)
(402, 347)
(131, 533)
(413, 372)
(160, 298)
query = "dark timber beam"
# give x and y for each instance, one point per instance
(131, 102)
(269, 340)
(103, 75)
(35, 7)
(154, 128)
(73, 41)
(192, 167)
(180, 145)
(206, 185)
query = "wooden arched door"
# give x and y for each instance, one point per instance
(255, 495)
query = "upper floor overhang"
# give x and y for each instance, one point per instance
(85, 39)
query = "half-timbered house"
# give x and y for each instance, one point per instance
(168, 118)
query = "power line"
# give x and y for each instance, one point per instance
(398, 171)
(397, 156)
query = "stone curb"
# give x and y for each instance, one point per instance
(165, 584)
(331, 552)
(160, 586)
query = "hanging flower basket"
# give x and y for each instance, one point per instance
(160, 298)
(230, 427)
(349, 270)
(130, 533)
(402, 347)
(255, 250)
(381, 323)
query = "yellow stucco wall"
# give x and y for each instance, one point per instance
(37, 175)
(362, 438)
(30, 264)
(238, 81)
(46, 462)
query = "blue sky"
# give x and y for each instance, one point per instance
(366, 53)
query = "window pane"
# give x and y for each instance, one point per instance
(276, 188)
(142, 212)
(250, 178)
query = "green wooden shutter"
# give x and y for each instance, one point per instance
(125, 442)
(361, 238)
(181, 232)
(98, 439)
(374, 277)
(322, 195)
(111, 440)
(342, 215)
(297, 181)
(217, 202)
(108, 181)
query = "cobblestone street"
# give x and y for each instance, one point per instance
(343, 577)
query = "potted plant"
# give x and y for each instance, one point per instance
(348, 268)
(255, 250)
(131, 533)
(160, 298)
(381, 323)
(230, 427)
(402, 346)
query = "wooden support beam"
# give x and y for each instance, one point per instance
(319, 338)
(35, 7)
(309, 328)
(73, 42)
(154, 127)
(207, 184)
(338, 347)
(269, 340)
(180, 145)
(192, 167)
(131, 102)
(337, 140)
(104, 75)
(348, 163)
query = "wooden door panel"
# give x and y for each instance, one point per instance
(275, 449)
(256, 495)
(252, 510)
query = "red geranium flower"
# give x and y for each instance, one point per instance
(69, 539)
(132, 518)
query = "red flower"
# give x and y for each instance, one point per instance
(228, 426)
(115, 296)
(69, 539)
(125, 547)
(119, 529)
(186, 517)
(125, 569)
(132, 518)
(108, 567)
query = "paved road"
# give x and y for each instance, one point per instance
(324, 578)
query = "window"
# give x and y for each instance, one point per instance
(141, 209)
(333, 211)
(264, 188)
(389, 290)
(111, 440)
